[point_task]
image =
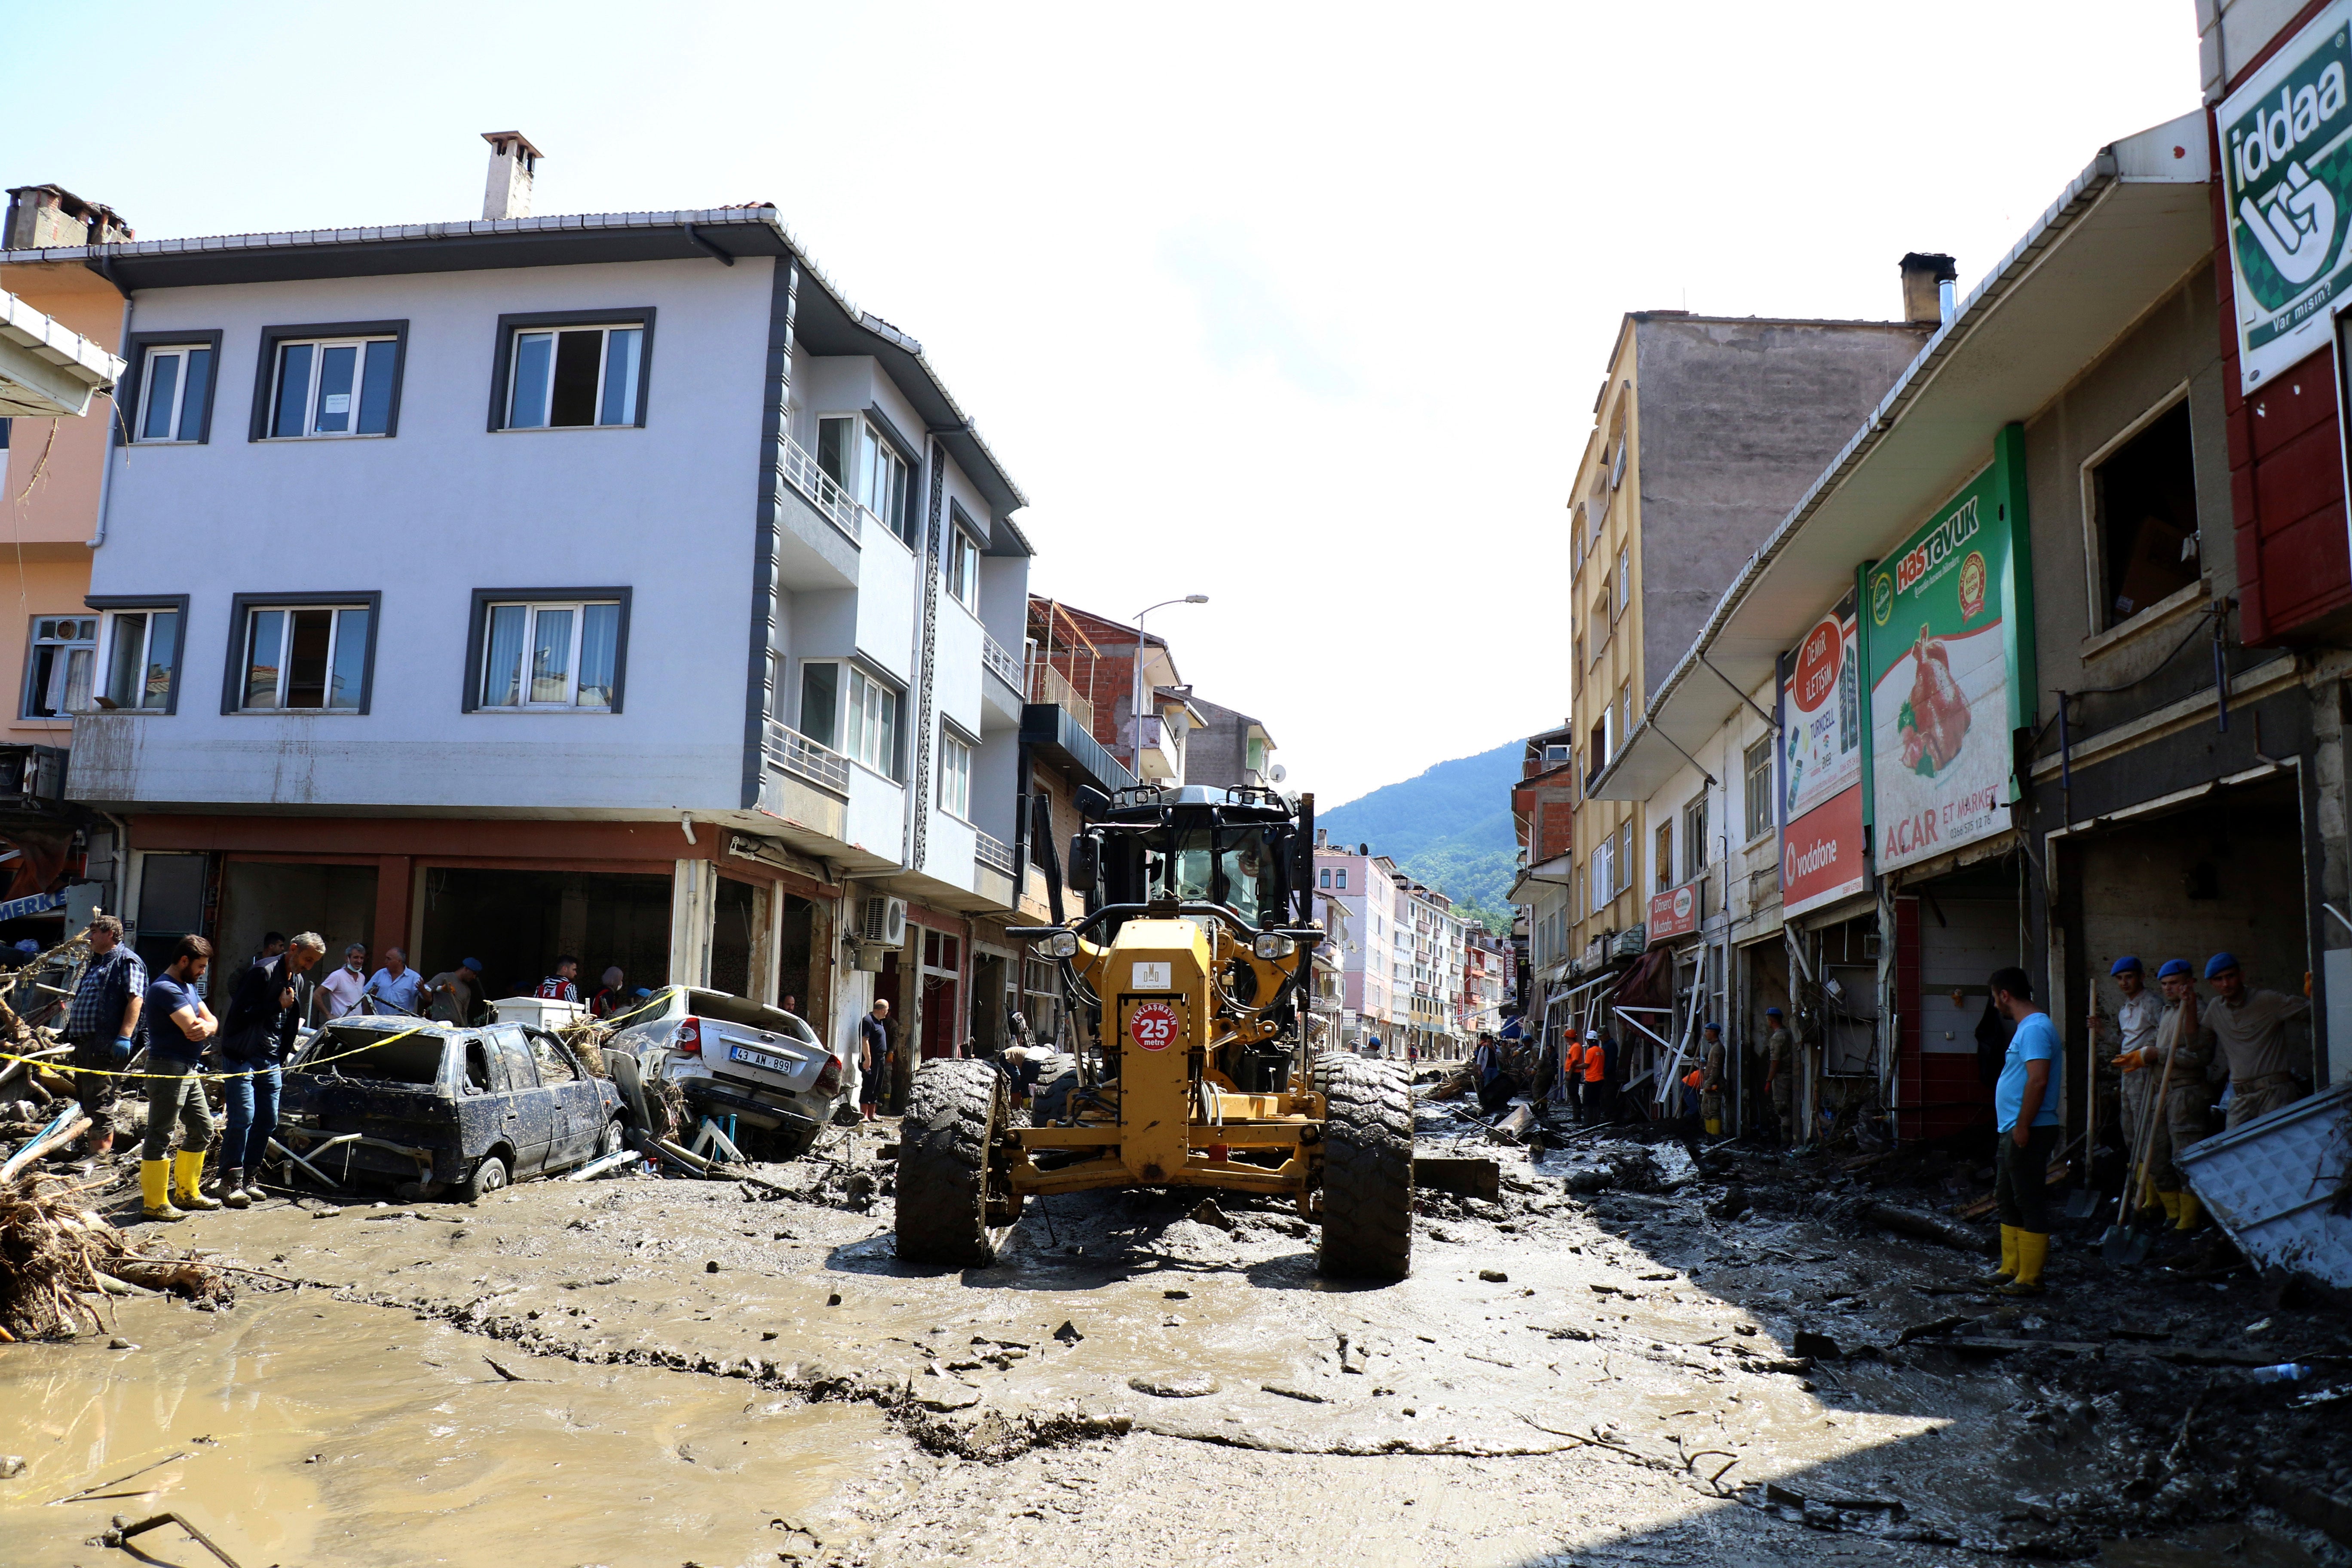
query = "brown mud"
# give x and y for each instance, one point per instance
(717, 1376)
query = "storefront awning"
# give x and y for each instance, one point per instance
(2124, 234)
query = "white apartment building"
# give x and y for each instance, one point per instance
(606, 584)
(1404, 979)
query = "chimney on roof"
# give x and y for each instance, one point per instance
(513, 161)
(1927, 280)
(1322, 838)
(42, 216)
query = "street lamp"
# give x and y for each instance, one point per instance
(1135, 749)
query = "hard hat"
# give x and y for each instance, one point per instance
(2126, 963)
(2220, 962)
(2173, 966)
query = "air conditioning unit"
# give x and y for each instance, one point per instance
(882, 923)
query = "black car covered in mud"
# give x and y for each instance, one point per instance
(437, 1107)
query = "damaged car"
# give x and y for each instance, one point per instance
(728, 1056)
(435, 1108)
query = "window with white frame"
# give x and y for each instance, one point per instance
(963, 569)
(552, 654)
(873, 723)
(139, 657)
(955, 774)
(60, 666)
(1758, 764)
(572, 377)
(857, 458)
(334, 387)
(1343, 888)
(1326, 877)
(176, 385)
(305, 658)
(1695, 837)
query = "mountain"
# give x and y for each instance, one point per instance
(1449, 826)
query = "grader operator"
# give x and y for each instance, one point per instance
(1187, 978)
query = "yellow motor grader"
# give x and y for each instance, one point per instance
(1188, 977)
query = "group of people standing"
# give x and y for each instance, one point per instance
(118, 1010)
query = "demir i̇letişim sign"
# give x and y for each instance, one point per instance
(1822, 857)
(1948, 635)
(2286, 182)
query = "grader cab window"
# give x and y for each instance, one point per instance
(1236, 869)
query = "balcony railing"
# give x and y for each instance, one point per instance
(993, 853)
(795, 753)
(822, 491)
(1001, 664)
(1047, 684)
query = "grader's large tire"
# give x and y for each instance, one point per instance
(1367, 1171)
(951, 1121)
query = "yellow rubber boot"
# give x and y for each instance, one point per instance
(185, 1169)
(155, 1190)
(2033, 1252)
(2172, 1202)
(2008, 1269)
(2190, 1215)
(1715, 1126)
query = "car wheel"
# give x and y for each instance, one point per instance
(609, 1141)
(490, 1175)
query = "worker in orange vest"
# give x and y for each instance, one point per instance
(1600, 1092)
(1572, 1072)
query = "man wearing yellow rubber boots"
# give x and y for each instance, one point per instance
(179, 1026)
(2184, 1047)
(1710, 1089)
(2025, 1108)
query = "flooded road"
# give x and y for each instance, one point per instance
(311, 1431)
(644, 1372)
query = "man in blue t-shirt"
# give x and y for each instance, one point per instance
(178, 1027)
(2025, 1107)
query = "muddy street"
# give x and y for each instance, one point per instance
(1625, 1357)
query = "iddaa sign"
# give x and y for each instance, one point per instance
(2286, 181)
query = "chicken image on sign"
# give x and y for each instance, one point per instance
(1153, 1024)
(1948, 639)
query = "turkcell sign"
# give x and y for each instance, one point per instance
(1673, 912)
(1820, 764)
(1949, 645)
(2286, 183)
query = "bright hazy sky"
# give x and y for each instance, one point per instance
(1300, 307)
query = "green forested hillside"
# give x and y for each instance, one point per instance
(1450, 826)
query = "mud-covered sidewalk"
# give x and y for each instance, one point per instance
(1625, 1357)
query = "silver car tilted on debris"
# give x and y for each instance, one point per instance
(730, 1057)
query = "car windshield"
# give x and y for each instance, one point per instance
(1183, 869)
(406, 1057)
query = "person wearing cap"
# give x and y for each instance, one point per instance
(2177, 1061)
(2026, 1110)
(1781, 1074)
(2248, 1028)
(2135, 1020)
(455, 995)
(1710, 1089)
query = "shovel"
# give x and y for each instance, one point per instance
(2126, 1245)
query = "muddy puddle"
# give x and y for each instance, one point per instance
(294, 1429)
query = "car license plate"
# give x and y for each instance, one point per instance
(763, 1059)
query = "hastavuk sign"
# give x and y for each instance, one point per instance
(1948, 639)
(2286, 183)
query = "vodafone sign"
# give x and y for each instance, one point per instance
(1152, 1026)
(1820, 854)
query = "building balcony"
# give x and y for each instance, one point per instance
(795, 753)
(833, 503)
(992, 852)
(1159, 759)
(1054, 733)
(1049, 685)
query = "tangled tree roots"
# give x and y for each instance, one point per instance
(53, 1249)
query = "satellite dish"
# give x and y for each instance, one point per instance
(1279, 773)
